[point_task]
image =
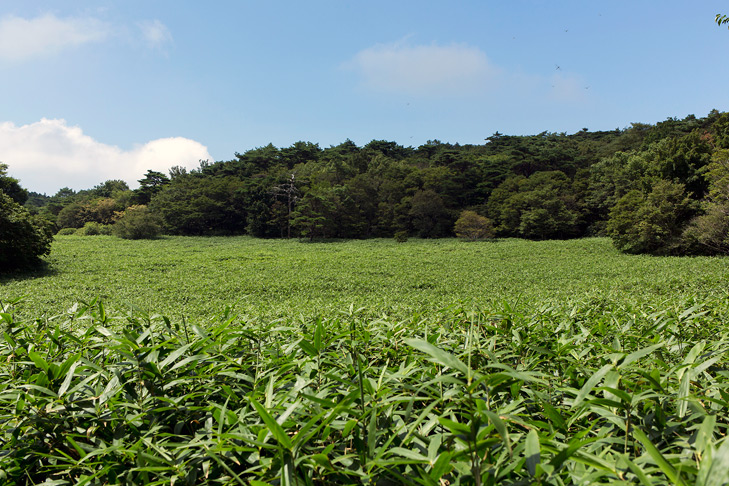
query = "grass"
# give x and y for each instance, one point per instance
(425, 363)
(197, 277)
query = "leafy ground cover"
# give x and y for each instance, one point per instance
(491, 363)
(198, 277)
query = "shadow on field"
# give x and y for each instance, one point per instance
(43, 270)
(324, 240)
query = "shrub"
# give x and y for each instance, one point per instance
(710, 231)
(71, 216)
(24, 238)
(401, 236)
(137, 223)
(472, 226)
(67, 231)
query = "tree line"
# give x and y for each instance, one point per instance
(654, 188)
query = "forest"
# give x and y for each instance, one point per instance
(658, 188)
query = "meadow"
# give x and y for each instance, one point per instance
(196, 278)
(249, 361)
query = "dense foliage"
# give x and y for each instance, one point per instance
(24, 238)
(472, 226)
(137, 223)
(546, 186)
(268, 279)
(546, 365)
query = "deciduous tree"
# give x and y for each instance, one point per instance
(651, 223)
(472, 226)
(24, 238)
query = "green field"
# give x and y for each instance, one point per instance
(264, 279)
(246, 361)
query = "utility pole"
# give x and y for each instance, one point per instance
(289, 189)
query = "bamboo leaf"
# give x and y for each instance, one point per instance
(658, 458)
(717, 467)
(174, 355)
(644, 480)
(532, 452)
(308, 348)
(636, 355)
(500, 428)
(438, 355)
(276, 430)
(110, 390)
(441, 466)
(409, 454)
(67, 381)
(318, 334)
(590, 384)
(38, 360)
(683, 393)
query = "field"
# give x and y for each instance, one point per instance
(245, 361)
(267, 279)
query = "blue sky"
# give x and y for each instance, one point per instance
(97, 90)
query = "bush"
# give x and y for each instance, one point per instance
(71, 216)
(473, 226)
(24, 238)
(67, 231)
(710, 231)
(92, 228)
(401, 236)
(137, 223)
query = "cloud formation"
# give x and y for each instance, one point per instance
(26, 38)
(455, 69)
(155, 33)
(48, 155)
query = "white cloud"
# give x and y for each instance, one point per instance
(155, 33)
(455, 69)
(25, 38)
(50, 154)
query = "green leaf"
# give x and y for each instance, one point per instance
(683, 393)
(644, 480)
(705, 434)
(569, 451)
(658, 458)
(67, 381)
(717, 473)
(38, 360)
(276, 430)
(500, 428)
(636, 355)
(441, 466)
(590, 384)
(174, 355)
(409, 454)
(308, 348)
(41, 389)
(79, 450)
(455, 428)
(438, 355)
(318, 334)
(554, 416)
(532, 452)
(696, 350)
(111, 389)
